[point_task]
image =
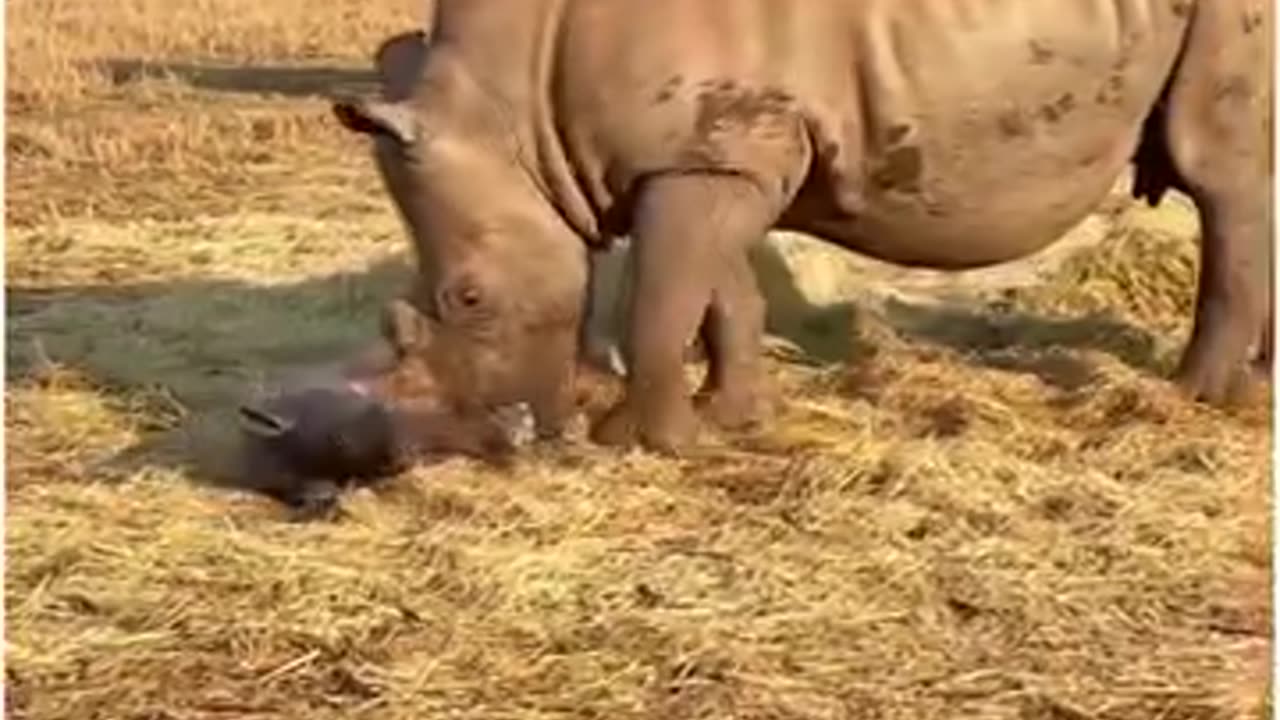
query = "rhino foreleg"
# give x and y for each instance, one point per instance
(687, 230)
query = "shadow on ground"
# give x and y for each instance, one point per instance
(261, 79)
(988, 334)
(188, 351)
(205, 344)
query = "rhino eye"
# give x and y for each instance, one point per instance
(469, 297)
(461, 299)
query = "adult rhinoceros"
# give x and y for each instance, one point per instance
(932, 133)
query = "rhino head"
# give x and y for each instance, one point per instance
(491, 319)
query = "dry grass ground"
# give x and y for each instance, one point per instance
(994, 510)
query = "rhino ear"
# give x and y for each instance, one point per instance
(399, 61)
(377, 117)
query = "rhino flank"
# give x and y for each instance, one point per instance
(520, 137)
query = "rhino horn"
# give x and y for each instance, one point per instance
(402, 325)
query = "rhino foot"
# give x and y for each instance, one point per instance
(1223, 386)
(667, 430)
(735, 410)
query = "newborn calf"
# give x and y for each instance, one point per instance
(304, 446)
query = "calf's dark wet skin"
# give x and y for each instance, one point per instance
(305, 444)
(303, 447)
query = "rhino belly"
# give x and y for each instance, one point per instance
(979, 133)
(997, 181)
(975, 215)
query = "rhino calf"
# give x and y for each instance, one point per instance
(306, 444)
(934, 133)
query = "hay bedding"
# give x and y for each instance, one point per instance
(994, 508)
(1005, 526)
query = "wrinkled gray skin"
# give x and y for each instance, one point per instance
(929, 133)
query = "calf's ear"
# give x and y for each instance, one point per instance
(263, 423)
(377, 117)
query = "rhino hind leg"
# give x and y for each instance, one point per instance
(735, 394)
(1217, 133)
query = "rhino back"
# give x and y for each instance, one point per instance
(933, 120)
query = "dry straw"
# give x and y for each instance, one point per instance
(993, 510)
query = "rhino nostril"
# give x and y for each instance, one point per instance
(263, 423)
